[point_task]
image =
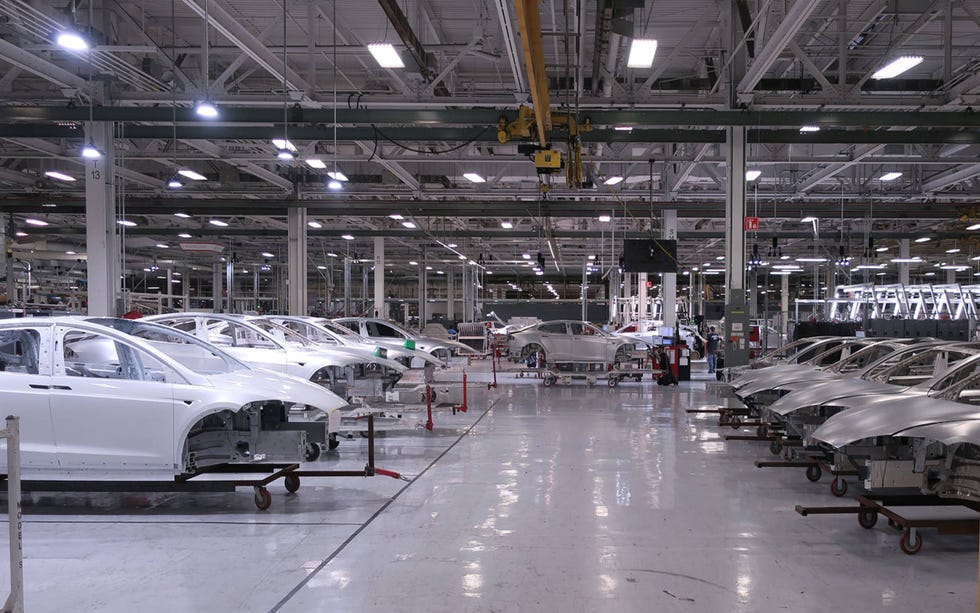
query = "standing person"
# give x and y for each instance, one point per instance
(711, 348)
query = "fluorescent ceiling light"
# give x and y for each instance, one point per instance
(206, 109)
(184, 235)
(526, 256)
(428, 268)
(975, 226)
(266, 254)
(316, 225)
(91, 152)
(591, 257)
(752, 175)
(881, 249)
(71, 40)
(809, 128)
(808, 219)
(413, 263)
(605, 218)
(953, 250)
(613, 180)
(337, 175)
(347, 237)
(174, 183)
(540, 273)
(182, 215)
(162, 246)
(642, 51)
(452, 245)
(316, 163)
(915, 260)
(127, 223)
(811, 260)
(409, 225)
(281, 143)
(218, 222)
(35, 222)
(623, 128)
(21, 234)
(71, 253)
(396, 216)
(386, 55)
(889, 176)
(334, 184)
(331, 254)
(191, 174)
(923, 239)
(473, 177)
(897, 66)
(285, 155)
(506, 225)
(54, 174)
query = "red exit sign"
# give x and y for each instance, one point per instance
(751, 224)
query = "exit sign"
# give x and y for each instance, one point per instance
(751, 224)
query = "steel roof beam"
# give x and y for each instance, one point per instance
(34, 64)
(952, 177)
(834, 169)
(795, 17)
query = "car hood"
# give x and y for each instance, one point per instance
(784, 376)
(947, 432)
(362, 355)
(751, 376)
(889, 415)
(832, 391)
(399, 346)
(244, 386)
(633, 338)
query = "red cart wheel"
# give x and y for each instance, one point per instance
(263, 499)
(838, 487)
(910, 545)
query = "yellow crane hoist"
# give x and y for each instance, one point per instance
(548, 161)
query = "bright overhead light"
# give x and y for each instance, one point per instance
(266, 254)
(206, 109)
(808, 219)
(191, 174)
(923, 239)
(623, 128)
(428, 268)
(526, 256)
(174, 183)
(413, 263)
(605, 218)
(282, 143)
(162, 246)
(285, 155)
(953, 250)
(410, 225)
(54, 174)
(71, 253)
(184, 235)
(331, 254)
(71, 40)
(613, 180)
(473, 177)
(881, 249)
(975, 226)
(642, 52)
(334, 184)
(539, 273)
(218, 222)
(809, 128)
(915, 260)
(462, 257)
(396, 216)
(591, 257)
(452, 245)
(386, 55)
(182, 215)
(811, 260)
(316, 163)
(897, 66)
(506, 225)
(889, 176)
(316, 225)
(127, 223)
(91, 152)
(337, 175)
(347, 237)
(35, 222)
(752, 175)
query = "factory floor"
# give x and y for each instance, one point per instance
(569, 498)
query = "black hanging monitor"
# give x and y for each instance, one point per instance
(653, 255)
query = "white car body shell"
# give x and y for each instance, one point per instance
(114, 428)
(390, 334)
(569, 341)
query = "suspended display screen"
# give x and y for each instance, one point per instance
(650, 255)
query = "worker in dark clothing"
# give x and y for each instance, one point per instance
(711, 348)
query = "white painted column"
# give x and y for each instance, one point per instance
(296, 261)
(4, 269)
(784, 305)
(450, 295)
(669, 293)
(216, 291)
(100, 222)
(904, 251)
(735, 216)
(627, 297)
(347, 286)
(170, 287)
(423, 289)
(950, 277)
(379, 278)
(230, 286)
(641, 296)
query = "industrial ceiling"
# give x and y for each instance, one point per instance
(405, 138)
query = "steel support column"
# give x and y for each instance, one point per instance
(669, 292)
(642, 297)
(216, 290)
(904, 252)
(379, 278)
(347, 287)
(423, 288)
(784, 306)
(230, 285)
(734, 216)
(450, 298)
(627, 311)
(296, 262)
(100, 222)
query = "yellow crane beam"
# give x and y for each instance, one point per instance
(532, 41)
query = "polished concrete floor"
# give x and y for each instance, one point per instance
(568, 498)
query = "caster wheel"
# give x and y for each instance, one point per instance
(333, 442)
(735, 423)
(548, 381)
(867, 519)
(292, 483)
(263, 499)
(838, 487)
(613, 382)
(312, 452)
(520, 375)
(775, 448)
(813, 472)
(910, 544)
